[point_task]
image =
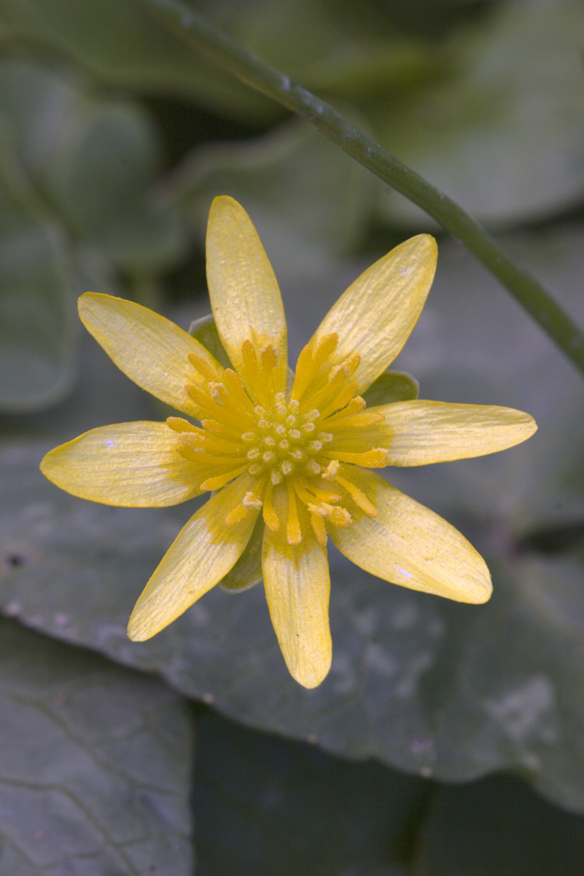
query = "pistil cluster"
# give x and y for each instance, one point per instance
(299, 451)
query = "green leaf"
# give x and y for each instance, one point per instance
(498, 826)
(247, 572)
(123, 45)
(450, 691)
(392, 386)
(96, 164)
(501, 132)
(205, 331)
(37, 328)
(94, 764)
(266, 805)
(298, 187)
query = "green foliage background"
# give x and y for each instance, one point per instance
(114, 138)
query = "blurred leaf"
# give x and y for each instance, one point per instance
(95, 159)
(436, 688)
(123, 45)
(498, 827)
(502, 135)
(288, 808)
(298, 187)
(76, 201)
(37, 327)
(94, 765)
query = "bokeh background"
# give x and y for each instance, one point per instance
(448, 740)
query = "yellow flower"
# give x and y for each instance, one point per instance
(295, 457)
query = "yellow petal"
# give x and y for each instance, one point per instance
(408, 544)
(377, 313)
(244, 292)
(128, 464)
(203, 552)
(297, 584)
(149, 348)
(423, 432)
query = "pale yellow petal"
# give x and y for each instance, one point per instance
(244, 292)
(297, 584)
(149, 348)
(127, 464)
(408, 544)
(377, 313)
(203, 552)
(422, 432)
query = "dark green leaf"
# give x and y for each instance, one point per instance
(205, 332)
(501, 132)
(37, 325)
(266, 805)
(94, 765)
(498, 827)
(247, 572)
(392, 386)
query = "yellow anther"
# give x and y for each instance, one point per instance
(268, 358)
(376, 458)
(178, 424)
(250, 500)
(319, 529)
(271, 518)
(340, 516)
(237, 514)
(293, 530)
(358, 496)
(204, 368)
(331, 469)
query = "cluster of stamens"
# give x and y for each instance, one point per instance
(298, 451)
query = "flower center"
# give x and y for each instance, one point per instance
(285, 440)
(299, 453)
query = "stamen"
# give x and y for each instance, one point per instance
(310, 361)
(293, 530)
(218, 481)
(340, 516)
(375, 458)
(319, 529)
(221, 428)
(217, 390)
(331, 470)
(339, 401)
(268, 358)
(271, 519)
(358, 496)
(258, 380)
(237, 514)
(178, 424)
(204, 368)
(250, 500)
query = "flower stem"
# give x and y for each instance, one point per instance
(189, 27)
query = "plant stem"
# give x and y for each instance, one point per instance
(189, 27)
